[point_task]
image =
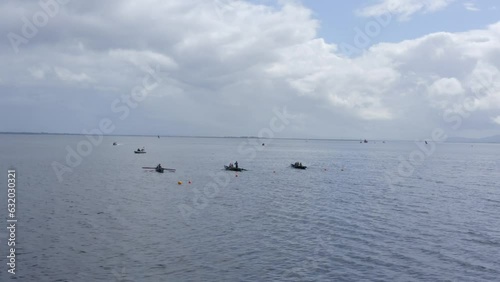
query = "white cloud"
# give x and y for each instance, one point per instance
(143, 59)
(470, 6)
(39, 72)
(244, 60)
(68, 76)
(446, 86)
(404, 9)
(496, 120)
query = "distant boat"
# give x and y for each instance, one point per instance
(114, 143)
(140, 151)
(234, 168)
(159, 169)
(298, 165)
(425, 142)
(365, 141)
(158, 136)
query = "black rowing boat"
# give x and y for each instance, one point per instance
(298, 166)
(234, 168)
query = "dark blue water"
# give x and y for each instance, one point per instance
(339, 220)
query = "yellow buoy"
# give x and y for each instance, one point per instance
(180, 182)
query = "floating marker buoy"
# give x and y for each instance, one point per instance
(274, 171)
(180, 182)
(236, 175)
(189, 181)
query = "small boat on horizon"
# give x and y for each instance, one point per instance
(234, 168)
(140, 151)
(159, 169)
(114, 143)
(298, 165)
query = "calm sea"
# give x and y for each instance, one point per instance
(338, 220)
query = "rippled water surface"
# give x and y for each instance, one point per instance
(341, 219)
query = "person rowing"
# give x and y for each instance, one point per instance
(158, 167)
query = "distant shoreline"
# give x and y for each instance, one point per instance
(457, 140)
(180, 136)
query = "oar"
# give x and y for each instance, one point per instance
(164, 168)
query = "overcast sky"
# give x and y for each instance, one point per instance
(380, 69)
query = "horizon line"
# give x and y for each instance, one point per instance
(460, 139)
